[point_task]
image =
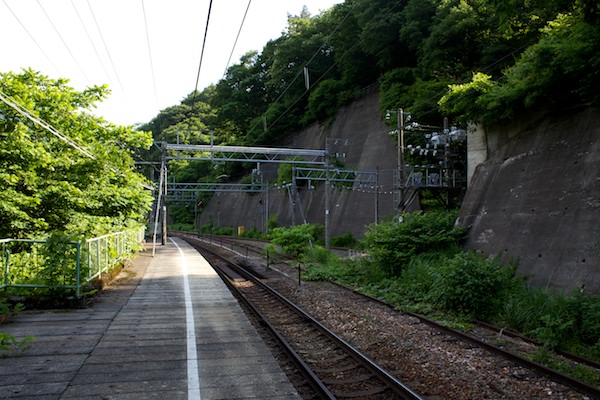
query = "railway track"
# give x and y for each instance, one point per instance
(334, 368)
(485, 337)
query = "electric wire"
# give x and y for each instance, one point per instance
(47, 126)
(388, 12)
(300, 72)
(202, 51)
(237, 37)
(150, 53)
(90, 40)
(107, 51)
(64, 42)
(27, 114)
(344, 55)
(31, 36)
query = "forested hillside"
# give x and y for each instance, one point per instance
(472, 60)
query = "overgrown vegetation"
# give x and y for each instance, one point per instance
(66, 176)
(392, 244)
(570, 321)
(10, 345)
(443, 281)
(296, 240)
(53, 270)
(555, 67)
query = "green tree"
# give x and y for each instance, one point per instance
(558, 69)
(81, 183)
(380, 22)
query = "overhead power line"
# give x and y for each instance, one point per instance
(237, 37)
(107, 52)
(304, 67)
(45, 125)
(150, 53)
(63, 42)
(203, 47)
(87, 33)
(31, 36)
(27, 114)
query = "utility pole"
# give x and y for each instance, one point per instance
(401, 158)
(327, 195)
(164, 210)
(377, 196)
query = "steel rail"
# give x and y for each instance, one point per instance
(549, 372)
(509, 333)
(516, 335)
(394, 384)
(311, 378)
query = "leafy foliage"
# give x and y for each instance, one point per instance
(10, 345)
(392, 244)
(345, 240)
(470, 284)
(556, 319)
(558, 66)
(49, 185)
(295, 240)
(448, 283)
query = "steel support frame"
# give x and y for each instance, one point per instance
(244, 154)
(238, 154)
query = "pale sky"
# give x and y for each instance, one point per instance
(106, 42)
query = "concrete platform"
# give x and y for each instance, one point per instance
(172, 331)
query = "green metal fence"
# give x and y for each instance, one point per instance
(45, 265)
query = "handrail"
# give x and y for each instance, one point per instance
(71, 267)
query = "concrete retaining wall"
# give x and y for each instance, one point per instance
(537, 200)
(362, 136)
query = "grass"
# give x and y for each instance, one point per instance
(9, 344)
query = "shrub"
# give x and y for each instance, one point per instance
(59, 261)
(181, 214)
(182, 227)
(321, 264)
(473, 285)
(253, 233)
(346, 240)
(272, 222)
(392, 244)
(418, 279)
(294, 240)
(10, 345)
(217, 230)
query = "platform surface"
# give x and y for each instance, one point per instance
(170, 330)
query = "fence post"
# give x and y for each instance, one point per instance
(98, 255)
(78, 269)
(6, 261)
(88, 247)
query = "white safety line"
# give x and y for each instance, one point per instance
(192, 353)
